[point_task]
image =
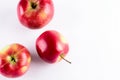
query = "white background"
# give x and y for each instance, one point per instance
(92, 28)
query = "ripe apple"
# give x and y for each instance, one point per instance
(0, 64)
(15, 60)
(52, 46)
(35, 14)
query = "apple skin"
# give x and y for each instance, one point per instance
(35, 14)
(52, 46)
(0, 64)
(15, 60)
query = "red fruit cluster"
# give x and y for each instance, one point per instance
(51, 45)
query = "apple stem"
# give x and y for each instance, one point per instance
(65, 59)
(33, 5)
(13, 59)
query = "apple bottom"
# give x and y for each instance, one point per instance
(35, 14)
(15, 60)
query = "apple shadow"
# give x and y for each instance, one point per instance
(37, 64)
(35, 58)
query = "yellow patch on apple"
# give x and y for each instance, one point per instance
(29, 60)
(23, 69)
(15, 47)
(3, 51)
(63, 39)
(43, 15)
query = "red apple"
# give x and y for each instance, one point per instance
(15, 60)
(35, 14)
(0, 64)
(52, 46)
